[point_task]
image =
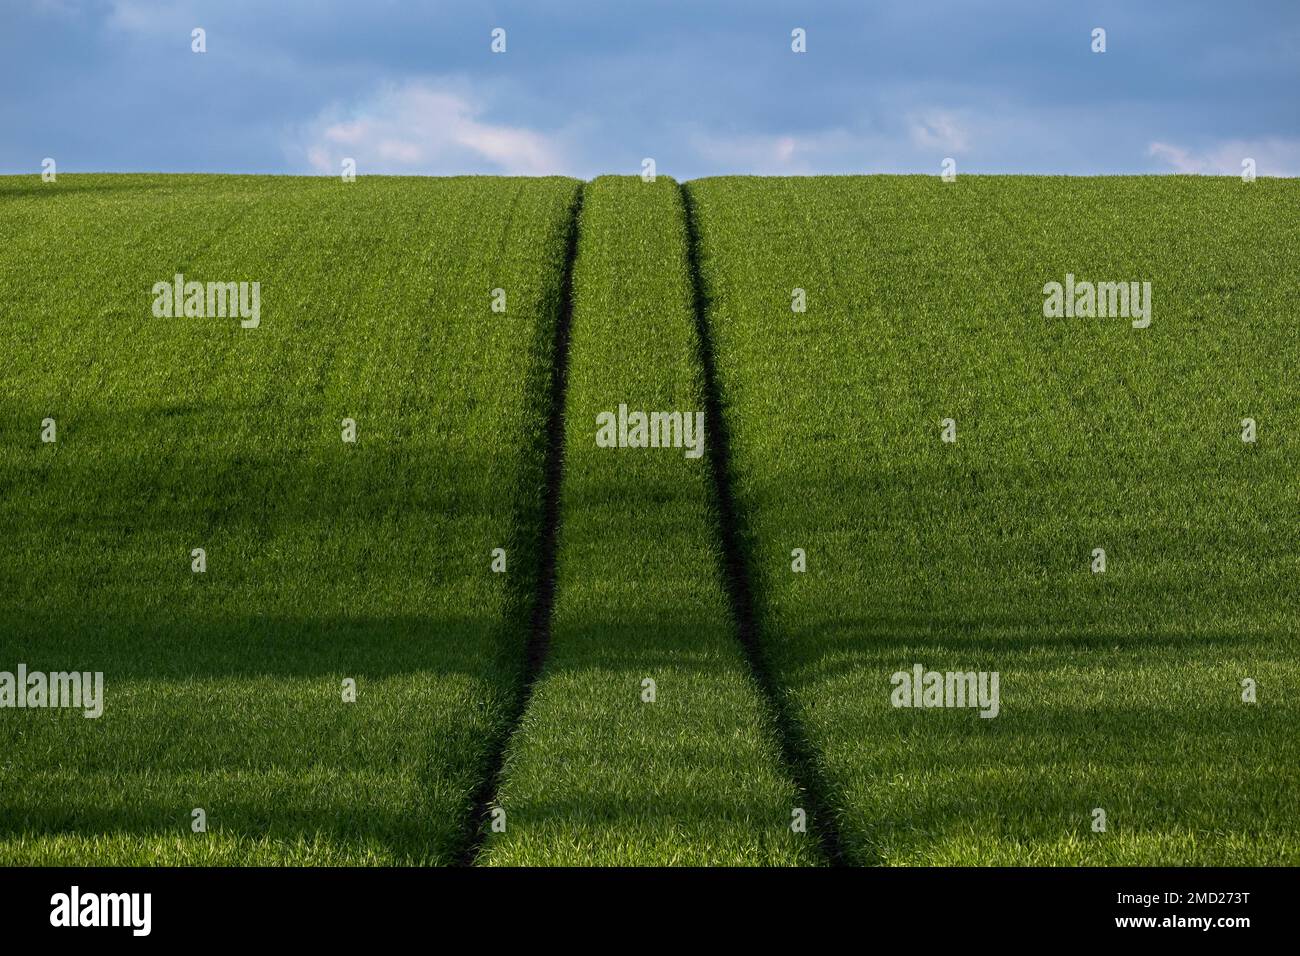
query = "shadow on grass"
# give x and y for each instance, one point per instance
(244, 717)
(169, 646)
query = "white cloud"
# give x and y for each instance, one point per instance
(66, 9)
(423, 127)
(912, 145)
(938, 130)
(788, 154)
(754, 153)
(1273, 157)
(154, 19)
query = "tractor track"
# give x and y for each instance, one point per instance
(796, 751)
(485, 795)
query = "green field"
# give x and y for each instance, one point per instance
(328, 560)
(325, 560)
(596, 774)
(1120, 690)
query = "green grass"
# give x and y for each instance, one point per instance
(372, 561)
(325, 560)
(1119, 690)
(596, 775)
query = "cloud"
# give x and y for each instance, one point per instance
(423, 127)
(911, 143)
(1273, 157)
(756, 153)
(66, 9)
(794, 154)
(939, 130)
(157, 19)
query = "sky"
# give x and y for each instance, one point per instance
(703, 88)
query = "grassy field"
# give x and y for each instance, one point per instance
(325, 560)
(1119, 690)
(597, 774)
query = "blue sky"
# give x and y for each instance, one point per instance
(293, 86)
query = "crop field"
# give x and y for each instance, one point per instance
(325, 560)
(382, 574)
(598, 774)
(1120, 689)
